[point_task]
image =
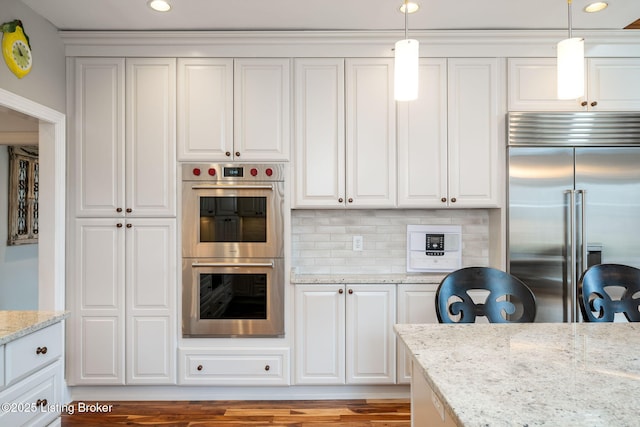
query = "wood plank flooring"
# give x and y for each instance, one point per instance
(302, 413)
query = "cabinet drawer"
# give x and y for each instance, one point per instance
(32, 352)
(34, 401)
(236, 367)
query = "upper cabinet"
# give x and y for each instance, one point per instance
(612, 84)
(233, 109)
(345, 144)
(123, 159)
(449, 139)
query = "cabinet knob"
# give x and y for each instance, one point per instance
(453, 200)
(119, 225)
(129, 210)
(237, 154)
(267, 367)
(583, 103)
(341, 291)
(129, 225)
(228, 154)
(350, 200)
(41, 402)
(41, 350)
(350, 291)
(119, 210)
(443, 200)
(199, 368)
(340, 200)
(594, 103)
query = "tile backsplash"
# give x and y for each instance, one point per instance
(322, 240)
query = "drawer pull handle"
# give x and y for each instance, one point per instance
(41, 402)
(41, 350)
(266, 368)
(199, 368)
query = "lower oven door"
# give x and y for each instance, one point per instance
(241, 297)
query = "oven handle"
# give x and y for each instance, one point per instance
(231, 187)
(232, 264)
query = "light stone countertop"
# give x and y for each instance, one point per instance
(18, 323)
(531, 374)
(355, 279)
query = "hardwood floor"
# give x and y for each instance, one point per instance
(302, 413)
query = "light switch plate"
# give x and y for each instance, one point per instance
(358, 243)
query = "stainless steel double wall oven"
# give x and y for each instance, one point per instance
(232, 252)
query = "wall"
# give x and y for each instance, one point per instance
(322, 239)
(45, 84)
(18, 264)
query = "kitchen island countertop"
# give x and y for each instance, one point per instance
(534, 374)
(18, 323)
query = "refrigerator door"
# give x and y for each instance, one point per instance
(610, 178)
(541, 181)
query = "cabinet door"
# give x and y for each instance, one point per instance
(371, 130)
(150, 134)
(151, 301)
(319, 133)
(371, 342)
(614, 84)
(416, 304)
(205, 109)
(320, 334)
(475, 113)
(96, 301)
(422, 140)
(533, 84)
(261, 109)
(97, 137)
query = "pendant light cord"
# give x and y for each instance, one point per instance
(569, 13)
(406, 17)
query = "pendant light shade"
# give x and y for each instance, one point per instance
(571, 68)
(570, 65)
(406, 70)
(407, 52)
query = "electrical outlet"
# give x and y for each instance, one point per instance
(358, 243)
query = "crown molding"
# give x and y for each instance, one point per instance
(451, 43)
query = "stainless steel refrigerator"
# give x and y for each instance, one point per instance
(573, 201)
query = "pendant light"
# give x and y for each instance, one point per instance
(406, 64)
(570, 65)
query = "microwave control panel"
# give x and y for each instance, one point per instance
(434, 248)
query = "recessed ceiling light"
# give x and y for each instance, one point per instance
(596, 6)
(159, 5)
(411, 7)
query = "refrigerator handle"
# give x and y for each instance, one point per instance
(583, 231)
(572, 288)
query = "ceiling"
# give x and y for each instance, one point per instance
(331, 14)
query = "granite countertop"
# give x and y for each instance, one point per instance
(533, 374)
(355, 279)
(18, 323)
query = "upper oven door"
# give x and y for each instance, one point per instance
(232, 220)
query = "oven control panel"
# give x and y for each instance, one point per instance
(434, 248)
(220, 172)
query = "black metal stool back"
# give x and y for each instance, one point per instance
(509, 299)
(595, 293)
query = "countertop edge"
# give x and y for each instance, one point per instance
(15, 324)
(329, 279)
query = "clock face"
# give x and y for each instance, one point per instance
(21, 54)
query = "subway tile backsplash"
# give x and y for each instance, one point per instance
(322, 239)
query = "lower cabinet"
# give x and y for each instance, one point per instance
(122, 298)
(344, 334)
(234, 366)
(33, 378)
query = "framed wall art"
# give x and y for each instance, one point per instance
(23, 195)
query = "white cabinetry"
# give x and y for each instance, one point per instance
(416, 304)
(344, 334)
(124, 328)
(345, 149)
(33, 382)
(122, 239)
(233, 109)
(450, 138)
(123, 137)
(612, 84)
